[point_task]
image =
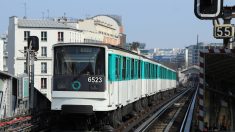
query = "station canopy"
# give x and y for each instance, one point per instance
(220, 68)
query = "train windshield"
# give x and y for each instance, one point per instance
(79, 60)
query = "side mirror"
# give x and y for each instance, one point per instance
(33, 43)
(208, 9)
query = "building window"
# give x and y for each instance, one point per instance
(43, 83)
(44, 51)
(25, 67)
(26, 35)
(43, 67)
(60, 36)
(44, 36)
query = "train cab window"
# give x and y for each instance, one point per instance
(124, 68)
(79, 60)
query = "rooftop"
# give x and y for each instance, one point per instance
(43, 24)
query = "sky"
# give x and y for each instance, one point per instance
(158, 23)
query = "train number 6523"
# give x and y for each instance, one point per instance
(94, 79)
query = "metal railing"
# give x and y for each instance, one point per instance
(186, 124)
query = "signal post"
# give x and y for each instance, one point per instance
(217, 73)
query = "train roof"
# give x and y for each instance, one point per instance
(6, 75)
(110, 47)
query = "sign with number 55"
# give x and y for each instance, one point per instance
(224, 31)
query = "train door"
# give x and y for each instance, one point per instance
(158, 78)
(133, 81)
(114, 77)
(135, 78)
(138, 79)
(118, 78)
(128, 77)
(148, 78)
(154, 78)
(111, 78)
(124, 82)
(143, 77)
(151, 79)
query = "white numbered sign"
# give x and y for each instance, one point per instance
(224, 31)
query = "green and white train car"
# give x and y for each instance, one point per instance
(90, 78)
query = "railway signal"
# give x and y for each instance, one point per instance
(208, 9)
(33, 46)
(33, 43)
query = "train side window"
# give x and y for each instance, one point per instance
(164, 73)
(128, 68)
(147, 70)
(112, 67)
(117, 74)
(168, 77)
(155, 71)
(124, 68)
(171, 75)
(158, 71)
(139, 69)
(132, 68)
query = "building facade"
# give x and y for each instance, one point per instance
(99, 29)
(3, 53)
(175, 57)
(192, 52)
(109, 27)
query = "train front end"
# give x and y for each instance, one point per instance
(79, 78)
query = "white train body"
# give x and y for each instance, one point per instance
(117, 77)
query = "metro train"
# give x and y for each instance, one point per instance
(106, 81)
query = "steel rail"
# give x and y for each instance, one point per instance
(186, 124)
(148, 123)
